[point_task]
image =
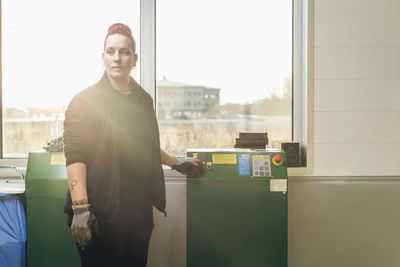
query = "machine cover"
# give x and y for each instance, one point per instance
(12, 230)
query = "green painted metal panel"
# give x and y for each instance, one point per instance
(235, 220)
(49, 239)
(48, 188)
(46, 165)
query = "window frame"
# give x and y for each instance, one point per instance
(302, 74)
(302, 82)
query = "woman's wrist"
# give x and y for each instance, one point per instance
(80, 203)
(80, 206)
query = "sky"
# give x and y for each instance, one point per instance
(241, 47)
(52, 49)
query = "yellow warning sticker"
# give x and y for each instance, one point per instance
(258, 156)
(224, 158)
(57, 160)
(195, 155)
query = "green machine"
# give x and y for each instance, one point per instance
(49, 240)
(237, 212)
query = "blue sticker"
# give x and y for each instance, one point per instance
(244, 164)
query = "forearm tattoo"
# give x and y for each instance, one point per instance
(72, 185)
(80, 202)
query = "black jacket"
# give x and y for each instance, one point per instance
(90, 137)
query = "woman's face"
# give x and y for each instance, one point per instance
(118, 57)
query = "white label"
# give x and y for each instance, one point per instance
(278, 185)
(261, 165)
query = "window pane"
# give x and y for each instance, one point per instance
(51, 51)
(223, 67)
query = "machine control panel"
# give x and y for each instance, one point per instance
(242, 163)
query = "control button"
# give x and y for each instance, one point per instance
(277, 160)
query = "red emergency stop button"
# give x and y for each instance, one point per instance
(277, 160)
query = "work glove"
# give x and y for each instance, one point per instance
(191, 167)
(84, 226)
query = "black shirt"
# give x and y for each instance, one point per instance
(135, 137)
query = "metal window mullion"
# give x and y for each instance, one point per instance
(297, 70)
(148, 46)
(302, 78)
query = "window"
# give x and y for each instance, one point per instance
(240, 56)
(239, 60)
(50, 51)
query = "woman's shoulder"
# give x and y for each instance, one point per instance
(139, 90)
(86, 98)
(89, 93)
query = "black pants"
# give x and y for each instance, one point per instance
(118, 245)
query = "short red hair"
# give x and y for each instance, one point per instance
(121, 29)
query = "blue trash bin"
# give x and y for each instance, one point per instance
(12, 230)
(12, 223)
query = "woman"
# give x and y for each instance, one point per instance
(114, 161)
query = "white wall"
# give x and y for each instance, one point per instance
(346, 215)
(168, 240)
(357, 87)
(344, 222)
